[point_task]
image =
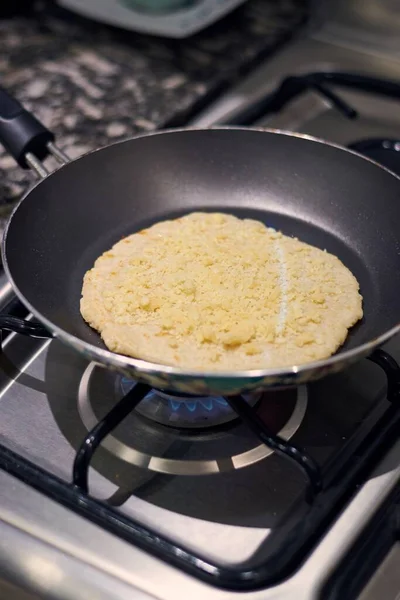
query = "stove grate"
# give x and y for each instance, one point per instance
(293, 86)
(243, 409)
(292, 549)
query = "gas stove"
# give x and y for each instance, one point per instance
(109, 489)
(185, 479)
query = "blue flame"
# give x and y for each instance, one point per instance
(191, 406)
(194, 405)
(174, 405)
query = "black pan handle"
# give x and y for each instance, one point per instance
(20, 132)
(24, 327)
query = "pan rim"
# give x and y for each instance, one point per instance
(120, 361)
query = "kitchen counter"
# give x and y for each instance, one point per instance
(92, 84)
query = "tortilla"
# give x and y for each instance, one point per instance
(212, 292)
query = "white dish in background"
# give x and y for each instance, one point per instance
(171, 18)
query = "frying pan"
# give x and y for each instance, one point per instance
(326, 195)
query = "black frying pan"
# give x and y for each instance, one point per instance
(324, 194)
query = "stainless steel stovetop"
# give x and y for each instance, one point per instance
(189, 470)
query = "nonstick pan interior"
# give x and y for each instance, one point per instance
(326, 196)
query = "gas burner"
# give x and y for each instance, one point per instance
(206, 435)
(384, 151)
(184, 410)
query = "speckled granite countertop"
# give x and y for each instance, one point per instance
(92, 84)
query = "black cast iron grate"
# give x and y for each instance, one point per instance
(293, 86)
(243, 409)
(324, 499)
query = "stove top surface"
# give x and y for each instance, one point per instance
(51, 397)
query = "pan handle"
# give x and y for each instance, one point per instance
(24, 137)
(24, 327)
